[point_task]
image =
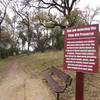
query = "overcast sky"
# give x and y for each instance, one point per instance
(92, 3)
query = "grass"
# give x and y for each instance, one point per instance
(40, 62)
(3, 62)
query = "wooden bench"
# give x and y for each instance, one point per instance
(64, 79)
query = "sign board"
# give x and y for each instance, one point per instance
(81, 48)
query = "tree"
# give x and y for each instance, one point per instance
(11, 23)
(41, 38)
(23, 38)
(25, 16)
(56, 38)
(90, 14)
(3, 10)
(63, 6)
(76, 18)
(7, 42)
(23, 34)
(50, 20)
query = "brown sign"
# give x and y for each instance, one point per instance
(81, 48)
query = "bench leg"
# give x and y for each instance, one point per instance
(57, 96)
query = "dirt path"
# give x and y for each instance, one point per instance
(18, 85)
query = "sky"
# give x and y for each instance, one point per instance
(92, 3)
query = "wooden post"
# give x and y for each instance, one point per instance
(57, 96)
(79, 86)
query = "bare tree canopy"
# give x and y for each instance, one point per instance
(3, 9)
(63, 6)
(90, 14)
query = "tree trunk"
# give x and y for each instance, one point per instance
(28, 50)
(0, 33)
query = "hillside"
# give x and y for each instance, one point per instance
(33, 66)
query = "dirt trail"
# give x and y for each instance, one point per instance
(18, 85)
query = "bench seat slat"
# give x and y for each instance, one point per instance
(53, 83)
(65, 77)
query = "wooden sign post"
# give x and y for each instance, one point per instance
(81, 53)
(79, 86)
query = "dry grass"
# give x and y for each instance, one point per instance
(4, 62)
(40, 62)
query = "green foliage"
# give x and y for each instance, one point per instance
(57, 38)
(6, 36)
(47, 20)
(49, 24)
(4, 53)
(42, 40)
(41, 15)
(76, 18)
